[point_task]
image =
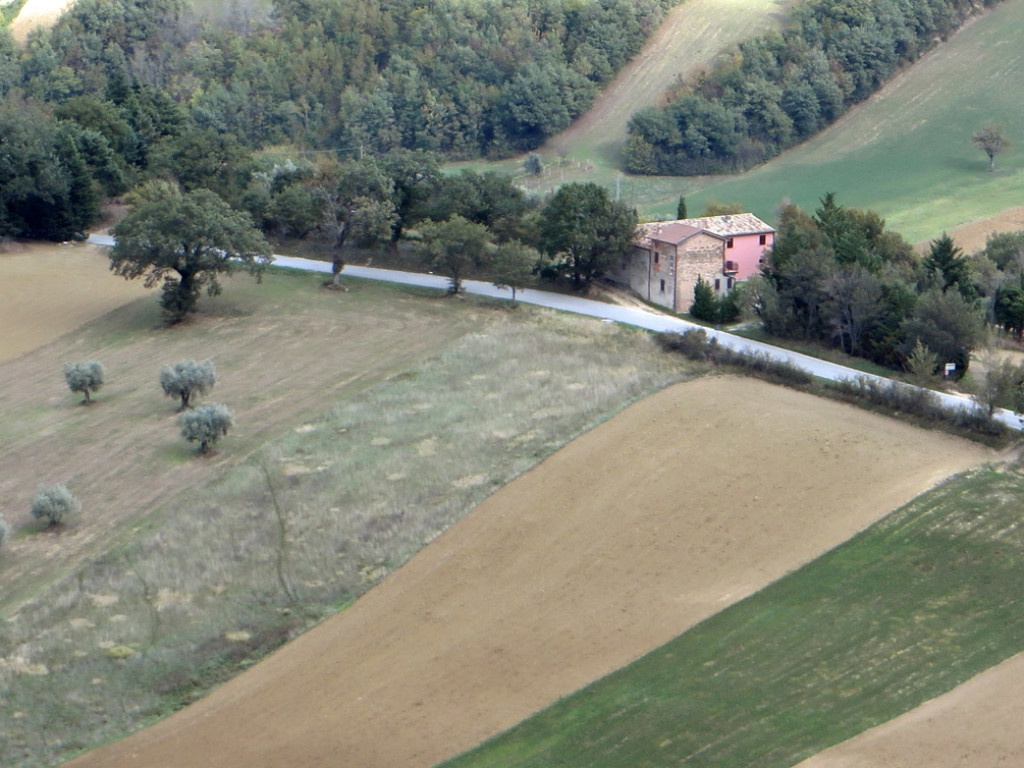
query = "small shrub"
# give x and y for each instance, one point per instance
(54, 503)
(692, 344)
(206, 425)
(5, 531)
(187, 378)
(84, 377)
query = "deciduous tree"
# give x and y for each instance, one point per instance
(453, 247)
(357, 197)
(854, 303)
(1001, 385)
(992, 141)
(947, 324)
(585, 231)
(186, 241)
(1008, 308)
(513, 265)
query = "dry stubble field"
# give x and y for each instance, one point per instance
(37, 282)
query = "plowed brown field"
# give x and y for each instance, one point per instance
(37, 13)
(684, 503)
(976, 724)
(49, 290)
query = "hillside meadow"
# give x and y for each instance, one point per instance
(367, 423)
(906, 152)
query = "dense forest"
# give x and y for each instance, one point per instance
(122, 90)
(778, 89)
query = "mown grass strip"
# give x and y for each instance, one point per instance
(920, 602)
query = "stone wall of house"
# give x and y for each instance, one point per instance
(699, 256)
(661, 288)
(644, 275)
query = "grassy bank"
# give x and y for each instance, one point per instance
(910, 608)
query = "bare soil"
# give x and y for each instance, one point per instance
(686, 502)
(50, 289)
(973, 236)
(975, 724)
(37, 13)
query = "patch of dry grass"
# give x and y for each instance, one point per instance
(207, 578)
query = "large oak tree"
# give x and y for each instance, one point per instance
(186, 241)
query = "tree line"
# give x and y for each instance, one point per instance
(778, 89)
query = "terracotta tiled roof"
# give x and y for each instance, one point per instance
(675, 232)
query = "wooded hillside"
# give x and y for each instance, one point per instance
(777, 90)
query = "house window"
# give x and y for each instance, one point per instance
(655, 257)
(718, 284)
(728, 283)
(762, 239)
(662, 286)
(728, 243)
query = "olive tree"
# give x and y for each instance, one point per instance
(1001, 385)
(187, 378)
(54, 502)
(85, 377)
(206, 425)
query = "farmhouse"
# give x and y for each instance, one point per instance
(669, 256)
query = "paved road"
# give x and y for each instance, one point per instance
(640, 318)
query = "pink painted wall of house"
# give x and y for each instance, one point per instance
(746, 251)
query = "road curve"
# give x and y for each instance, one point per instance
(652, 321)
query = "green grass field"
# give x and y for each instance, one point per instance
(915, 605)
(907, 152)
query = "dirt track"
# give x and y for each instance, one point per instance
(688, 501)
